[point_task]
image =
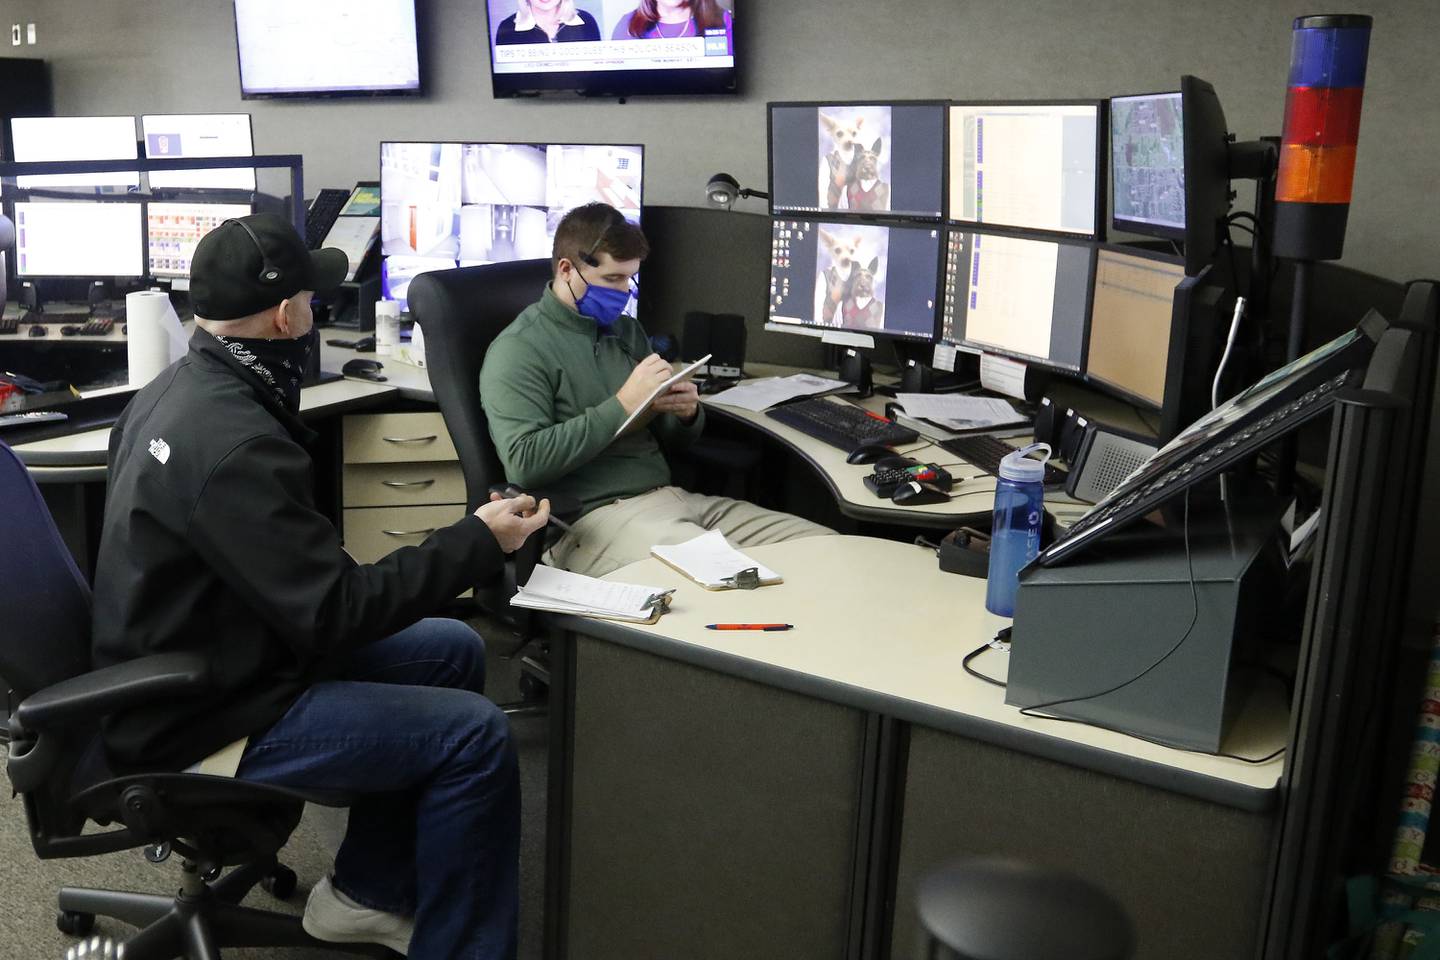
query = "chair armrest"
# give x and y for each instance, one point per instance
(100, 692)
(562, 506)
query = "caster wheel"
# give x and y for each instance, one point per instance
(74, 924)
(280, 883)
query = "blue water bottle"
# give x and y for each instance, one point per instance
(1015, 532)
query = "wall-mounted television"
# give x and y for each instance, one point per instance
(327, 48)
(611, 47)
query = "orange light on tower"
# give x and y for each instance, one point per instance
(1328, 55)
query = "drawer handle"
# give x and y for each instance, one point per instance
(432, 436)
(409, 533)
(407, 483)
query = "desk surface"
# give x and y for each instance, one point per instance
(893, 642)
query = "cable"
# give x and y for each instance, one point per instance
(1229, 346)
(965, 665)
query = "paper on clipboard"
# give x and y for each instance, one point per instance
(684, 374)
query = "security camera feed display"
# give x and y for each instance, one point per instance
(1027, 299)
(1032, 166)
(184, 136)
(326, 47)
(1147, 156)
(859, 159)
(38, 139)
(855, 277)
(76, 238)
(585, 36)
(449, 204)
(175, 228)
(1130, 323)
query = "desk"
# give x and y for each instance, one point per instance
(778, 795)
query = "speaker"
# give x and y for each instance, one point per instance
(916, 377)
(1104, 457)
(855, 368)
(722, 335)
(1047, 423)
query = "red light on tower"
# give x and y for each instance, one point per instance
(1328, 56)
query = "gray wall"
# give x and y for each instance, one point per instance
(113, 56)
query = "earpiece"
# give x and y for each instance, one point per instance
(269, 273)
(588, 257)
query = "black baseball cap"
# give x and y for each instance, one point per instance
(252, 263)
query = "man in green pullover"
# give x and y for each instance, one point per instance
(561, 379)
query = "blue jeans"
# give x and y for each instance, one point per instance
(435, 830)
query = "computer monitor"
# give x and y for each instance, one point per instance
(863, 159)
(1147, 164)
(327, 48)
(1023, 298)
(474, 203)
(861, 278)
(189, 135)
(174, 229)
(79, 238)
(37, 139)
(1131, 335)
(1033, 166)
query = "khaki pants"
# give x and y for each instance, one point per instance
(622, 532)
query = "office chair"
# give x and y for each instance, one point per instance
(995, 909)
(56, 764)
(461, 312)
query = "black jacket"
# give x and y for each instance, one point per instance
(212, 542)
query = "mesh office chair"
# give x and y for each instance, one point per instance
(57, 765)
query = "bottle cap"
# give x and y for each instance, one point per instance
(1020, 467)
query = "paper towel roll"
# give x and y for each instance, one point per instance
(155, 338)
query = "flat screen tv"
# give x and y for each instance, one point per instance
(611, 47)
(327, 48)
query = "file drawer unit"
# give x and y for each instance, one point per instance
(401, 482)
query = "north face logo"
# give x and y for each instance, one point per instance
(160, 450)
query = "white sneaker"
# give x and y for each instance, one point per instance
(334, 917)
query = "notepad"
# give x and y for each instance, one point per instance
(560, 591)
(684, 374)
(710, 561)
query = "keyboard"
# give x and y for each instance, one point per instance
(841, 425)
(985, 452)
(321, 216)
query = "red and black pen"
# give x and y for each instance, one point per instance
(749, 626)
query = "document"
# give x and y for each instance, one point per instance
(710, 561)
(758, 396)
(354, 235)
(1002, 375)
(956, 411)
(560, 591)
(684, 374)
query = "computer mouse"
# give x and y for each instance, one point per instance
(918, 494)
(365, 345)
(38, 330)
(869, 453)
(364, 368)
(69, 330)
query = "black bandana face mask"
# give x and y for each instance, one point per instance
(278, 364)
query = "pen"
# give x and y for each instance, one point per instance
(749, 626)
(514, 492)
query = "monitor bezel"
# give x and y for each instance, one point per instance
(817, 329)
(380, 148)
(1102, 153)
(975, 346)
(364, 93)
(151, 274)
(1141, 227)
(131, 199)
(703, 81)
(847, 216)
(1177, 338)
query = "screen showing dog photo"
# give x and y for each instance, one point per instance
(861, 159)
(849, 276)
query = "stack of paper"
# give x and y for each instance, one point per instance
(760, 395)
(710, 561)
(958, 411)
(560, 591)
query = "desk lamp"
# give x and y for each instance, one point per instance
(723, 190)
(7, 237)
(996, 909)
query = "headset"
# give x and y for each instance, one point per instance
(588, 257)
(269, 273)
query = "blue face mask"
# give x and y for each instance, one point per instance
(601, 304)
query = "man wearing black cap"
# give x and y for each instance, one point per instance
(323, 673)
